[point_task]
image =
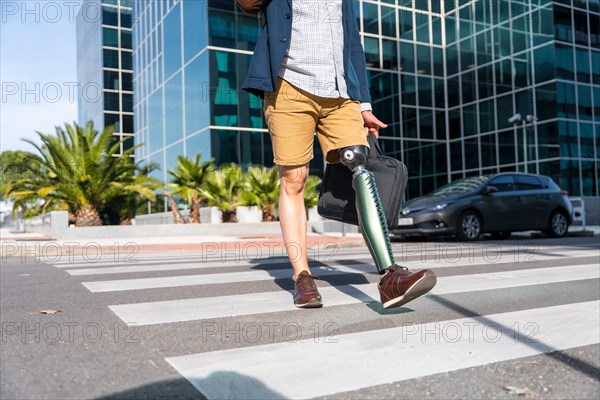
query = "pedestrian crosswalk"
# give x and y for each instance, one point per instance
(486, 307)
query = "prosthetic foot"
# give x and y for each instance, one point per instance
(398, 285)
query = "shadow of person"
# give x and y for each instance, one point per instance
(163, 389)
(233, 385)
(344, 281)
(217, 385)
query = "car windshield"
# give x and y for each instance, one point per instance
(464, 185)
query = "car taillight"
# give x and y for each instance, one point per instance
(564, 193)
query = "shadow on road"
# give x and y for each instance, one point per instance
(572, 362)
(219, 384)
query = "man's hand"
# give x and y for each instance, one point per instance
(372, 123)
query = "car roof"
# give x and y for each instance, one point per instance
(516, 173)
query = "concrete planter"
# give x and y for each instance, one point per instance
(249, 214)
(211, 215)
(313, 215)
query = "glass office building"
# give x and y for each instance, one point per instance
(104, 66)
(189, 60)
(445, 75)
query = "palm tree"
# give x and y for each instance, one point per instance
(223, 189)
(189, 176)
(124, 206)
(177, 217)
(78, 169)
(262, 190)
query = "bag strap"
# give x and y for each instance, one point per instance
(374, 144)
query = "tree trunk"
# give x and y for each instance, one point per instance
(88, 216)
(177, 217)
(195, 211)
(229, 216)
(268, 213)
(72, 218)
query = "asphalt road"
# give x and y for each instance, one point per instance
(511, 319)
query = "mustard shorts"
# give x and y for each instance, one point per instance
(294, 115)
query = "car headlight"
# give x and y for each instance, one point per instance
(438, 207)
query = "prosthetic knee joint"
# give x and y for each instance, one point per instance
(371, 217)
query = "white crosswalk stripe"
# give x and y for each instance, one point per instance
(358, 360)
(432, 262)
(351, 361)
(218, 307)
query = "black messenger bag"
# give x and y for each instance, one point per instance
(337, 200)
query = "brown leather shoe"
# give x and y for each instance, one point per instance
(306, 293)
(399, 286)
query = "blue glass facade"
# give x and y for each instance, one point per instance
(104, 66)
(189, 58)
(445, 75)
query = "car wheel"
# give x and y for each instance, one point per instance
(500, 235)
(469, 226)
(558, 225)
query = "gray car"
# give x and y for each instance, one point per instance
(497, 204)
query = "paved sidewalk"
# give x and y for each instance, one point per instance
(18, 244)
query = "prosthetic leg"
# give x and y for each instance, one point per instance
(398, 285)
(371, 217)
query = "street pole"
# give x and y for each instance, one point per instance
(525, 143)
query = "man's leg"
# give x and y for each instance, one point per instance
(292, 218)
(292, 115)
(292, 214)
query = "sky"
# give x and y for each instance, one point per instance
(38, 69)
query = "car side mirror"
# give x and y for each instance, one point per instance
(489, 190)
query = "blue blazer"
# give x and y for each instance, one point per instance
(273, 42)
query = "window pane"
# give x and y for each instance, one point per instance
(112, 119)
(110, 16)
(424, 92)
(172, 33)
(197, 96)
(155, 121)
(111, 80)
(407, 57)
(544, 63)
(126, 39)
(546, 101)
(126, 60)
(488, 150)
(111, 101)
(406, 25)
(422, 23)
(582, 57)
(110, 37)
(127, 81)
(423, 60)
(221, 25)
(125, 18)
(127, 101)
(370, 18)
(390, 54)
(195, 27)
(581, 28)
(563, 28)
(504, 183)
(409, 89)
(111, 58)
(127, 123)
(388, 21)
(372, 52)
(565, 67)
